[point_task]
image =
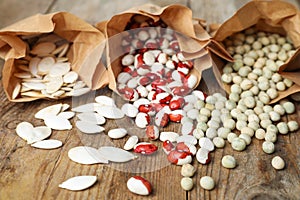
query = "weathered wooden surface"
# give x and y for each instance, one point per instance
(27, 173)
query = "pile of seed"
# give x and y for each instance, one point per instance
(45, 71)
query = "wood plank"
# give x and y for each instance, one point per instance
(13, 10)
(96, 11)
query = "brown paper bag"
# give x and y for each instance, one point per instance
(177, 17)
(270, 16)
(84, 54)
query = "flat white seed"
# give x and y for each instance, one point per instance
(67, 114)
(58, 93)
(54, 84)
(88, 128)
(129, 110)
(206, 143)
(43, 48)
(117, 133)
(229, 162)
(33, 94)
(115, 154)
(59, 49)
(45, 65)
(70, 77)
(238, 144)
(57, 123)
(105, 100)
(23, 129)
(78, 183)
(131, 142)
(207, 183)
(278, 163)
(86, 155)
(89, 107)
(16, 91)
(171, 136)
(34, 86)
(39, 133)
(48, 111)
(91, 117)
(77, 85)
(187, 139)
(47, 144)
(60, 69)
(78, 92)
(110, 112)
(33, 66)
(64, 50)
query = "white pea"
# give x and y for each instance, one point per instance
(258, 110)
(271, 136)
(278, 163)
(211, 99)
(249, 61)
(263, 97)
(205, 111)
(276, 77)
(234, 97)
(231, 136)
(279, 109)
(207, 183)
(249, 102)
(288, 82)
(260, 134)
(188, 170)
(223, 132)
(274, 116)
(263, 85)
(202, 118)
(280, 86)
(198, 133)
(199, 104)
(272, 92)
(293, 126)
(187, 183)
(289, 107)
(248, 131)
(228, 161)
(227, 68)
(229, 104)
(202, 126)
(265, 123)
(268, 147)
(237, 79)
(209, 106)
(246, 138)
(283, 128)
(246, 84)
(240, 124)
(244, 71)
(264, 116)
(211, 133)
(254, 90)
(219, 142)
(229, 123)
(237, 64)
(256, 45)
(238, 144)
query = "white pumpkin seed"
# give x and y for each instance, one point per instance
(89, 107)
(23, 129)
(54, 84)
(58, 93)
(70, 77)
(131, 142)
(57, 123)
(117, 133)
(16, 91)
(79, 85)
(64, 50)
(48, 111)
(89, 128)
(34, 86)
(47, 144)
(33, 94)
(67, 114)
(60, 48)
(129, 110)
(91, 117)
(78, 92)
(86, 155)
(23, 75)
(115, 154)
(45, 65)
(60, 69)
(33, 66)
(105, 100)
(78, 183)
(110, 112)
(39, 133)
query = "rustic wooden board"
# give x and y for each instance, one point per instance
(27, 173)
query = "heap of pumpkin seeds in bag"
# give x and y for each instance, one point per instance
(45, 72)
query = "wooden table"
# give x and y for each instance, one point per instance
(27, 173)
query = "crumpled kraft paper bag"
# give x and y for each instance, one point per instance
(270, 16)
(84, 54)
(177, 17)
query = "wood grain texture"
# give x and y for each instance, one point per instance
(27, 173)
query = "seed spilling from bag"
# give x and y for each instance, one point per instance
(45, 72)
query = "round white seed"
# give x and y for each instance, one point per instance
(187, 183)
(278, 163)
(229, 162)
(207, 183)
